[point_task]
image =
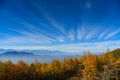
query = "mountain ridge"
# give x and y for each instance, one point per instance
(36, 52)
(17, 53)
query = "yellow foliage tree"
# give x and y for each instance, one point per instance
(90, 67)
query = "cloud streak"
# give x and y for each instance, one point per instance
(27, 31)
(92, 32)
(103, 33)
(76, 48)
(53, 22)
(112, 33)
(81, 32)
(29, 39)
(71, 35)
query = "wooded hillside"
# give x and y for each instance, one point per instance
(88, 67)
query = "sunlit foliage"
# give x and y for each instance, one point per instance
(88, 67)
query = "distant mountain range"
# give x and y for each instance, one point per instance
(16, 53)
(35, 52)
(48, 52)
(27, 56)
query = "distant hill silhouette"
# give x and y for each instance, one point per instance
(16, 53)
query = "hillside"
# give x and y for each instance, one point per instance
(88, 67)
(116, 53)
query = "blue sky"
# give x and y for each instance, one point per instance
(65, 25)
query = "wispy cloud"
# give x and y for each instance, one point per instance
(92, 32)
(112, 33)
(24, 24)
(56, 24)
(90, 35)
(75, 48)
(30, 39)
(80, 32)
(61, 39)
(53, 22)
(71, 35)
(27, 31)
(103, 33)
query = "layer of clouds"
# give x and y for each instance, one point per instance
(77, 48)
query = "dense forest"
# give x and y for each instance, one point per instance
(88, 67)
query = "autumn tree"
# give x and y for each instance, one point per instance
(90, 67)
